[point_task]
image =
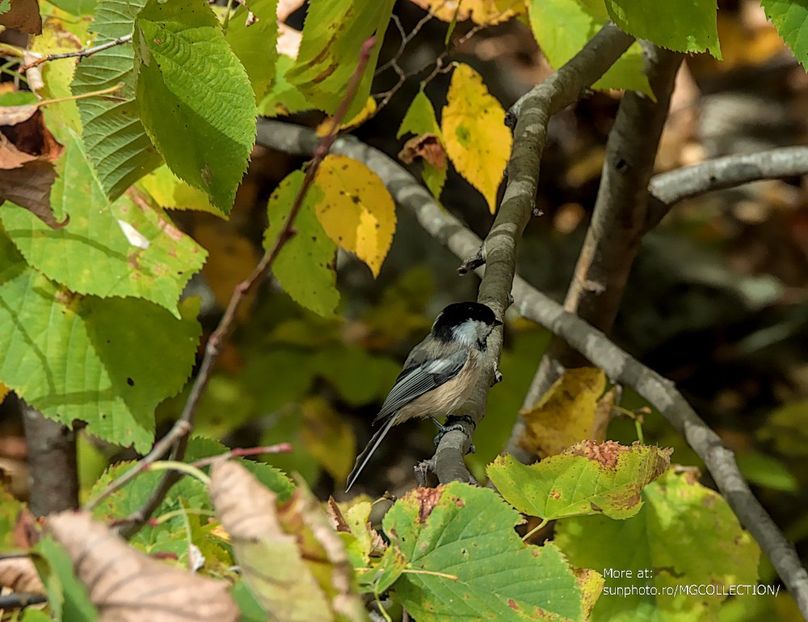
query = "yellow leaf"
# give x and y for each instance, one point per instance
(328, 437)
(474, 131)
(231, 259)
(590, 582)
(488, 12)
(356, 210)
(4, 390)
(360, 117)
(173, 193)
(569, 412)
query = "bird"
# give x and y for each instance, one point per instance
(438, 375)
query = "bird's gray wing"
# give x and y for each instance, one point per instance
(418, 378)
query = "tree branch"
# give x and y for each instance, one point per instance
(20, 600)
(177, 438)
(499, 248)
(727, 172)
(617, 225)
(52, 462)
(590, 342)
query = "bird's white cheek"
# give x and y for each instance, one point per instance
(466, 333)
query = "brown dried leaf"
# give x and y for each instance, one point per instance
(287, 7)
(291, 557)
(127, 586)
(20, 575)
(289, 40)
(426, 146)
(27, 153)
(12, 115)
(271, 563)
(24, 16)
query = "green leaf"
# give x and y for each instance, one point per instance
(77, 7)
(791, 20)
(67, 596)
(588, 478)
(113, 133)
(35, 615)
(333, 35)
(766, 470)
(251, 610)
(283, 97)
(106, 249)
(104, 361)
(254, 42)
(305, 267)
(274, 479)
(787, 429)
(682, 26)
(194, 96)
(172, 193)
(685, 534)
(61, 116)
(563, 27)
(465, 532)
(420, 119)
(359, 377)
(9, 510)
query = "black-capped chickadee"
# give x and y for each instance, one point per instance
(439, 374)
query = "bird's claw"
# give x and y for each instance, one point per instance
(452, 424)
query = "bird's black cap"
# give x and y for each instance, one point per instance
(457, 313)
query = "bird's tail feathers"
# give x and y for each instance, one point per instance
(368, 451)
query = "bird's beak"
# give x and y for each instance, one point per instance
(497, 323)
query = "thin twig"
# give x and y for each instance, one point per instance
(440, 66)
(176, 439)
(20, 600)
(239, 452)
(593, 344)
(83, 53)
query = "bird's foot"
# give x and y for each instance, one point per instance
(453, 423)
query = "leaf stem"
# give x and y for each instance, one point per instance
(538, 527)
(226, 21)
(433, 573)
(182, 467)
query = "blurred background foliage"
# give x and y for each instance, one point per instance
(716, 301)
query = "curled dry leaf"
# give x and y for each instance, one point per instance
(27, 153)
(426, 146)
(128, 586)
(290, 556)
(19, 574)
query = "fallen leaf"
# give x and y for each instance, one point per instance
(136, 587)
